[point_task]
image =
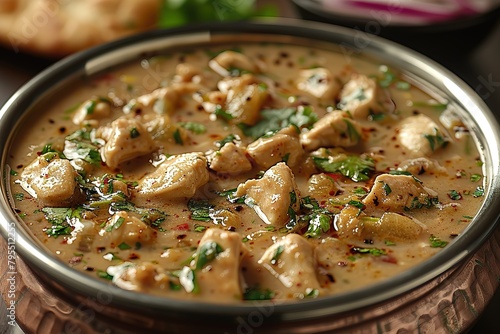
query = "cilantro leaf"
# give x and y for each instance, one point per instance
(352, 166)
(274, 120)
(200, 210)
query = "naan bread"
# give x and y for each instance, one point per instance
(57, 28)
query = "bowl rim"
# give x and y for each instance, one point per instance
(59, 275)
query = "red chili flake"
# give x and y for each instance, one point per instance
(335, 176)
(133, 256)
(182, 227)
(75, 259)
(342, 264)
(389, 259)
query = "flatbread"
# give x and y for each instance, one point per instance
(57, 28)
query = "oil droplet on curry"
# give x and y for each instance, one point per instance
(246, 172)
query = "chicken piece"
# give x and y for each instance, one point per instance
(185, 72)
(231, 63)
(272, 195)
(139, 277)
(126, 139)
(123, 228)
(419, 166)
(319, 82)
(244, 100)
(334, 129)
(393, 226)
(322, 186)
(93, 109)
(291, 260)
(359, 97)
(83, 234)
(421, 135)
(217, 264)
(177, 177)
(283, 146)
(352, 223)
(230, 160)
(51, 180)
(165, 100)
(398, 193)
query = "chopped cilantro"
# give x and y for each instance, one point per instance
(352, 166)
(134, 133)
(371, 251)
(200, 209)
(403, 85)
(124, 246)
(177, 137)
(255, 293)
(104, 275)
(360, 191)
(231, 196)
(276, 119)
(226, 140)
(357, 204)
(436, 140)
(436, 242)
(475, 177)
(221, 113)
(194, 127)
(19, 196)
(13, 172)
(207, 253)
(387, 188)
(79, 145)
(60, 218)
(199, 228)
(478, 192)
(115, 225)
(454, 195)
(277, 254)
(389, 243)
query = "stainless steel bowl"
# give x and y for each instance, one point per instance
(448, 291)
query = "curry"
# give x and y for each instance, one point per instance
(247, 172)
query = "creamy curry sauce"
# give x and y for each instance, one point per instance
(246, 172)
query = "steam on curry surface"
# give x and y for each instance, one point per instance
(246, 172)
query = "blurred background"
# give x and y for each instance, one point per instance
(461, 35)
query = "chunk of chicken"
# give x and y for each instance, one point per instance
(319, 82)
(322, 186)
(244, 101)
(51, 180)
(217, 263)
(139, 277)
(165, 100)
(177, 177)
(398, 193)
(185, 72)
(393, 226)
(419, 166)
(93, 109)
(359, 96)
(351, 223)
(231, 160)
(123, 228)
(283, 146)
(291, 261)
(421, 135)
(231, 63)
(272, 195)
(126, 139)
(334, 129)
